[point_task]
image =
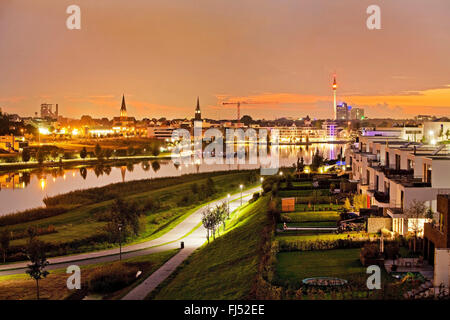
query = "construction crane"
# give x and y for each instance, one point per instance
(238, 104)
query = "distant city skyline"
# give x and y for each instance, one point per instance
(279, 56)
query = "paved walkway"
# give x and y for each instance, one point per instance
(166, 242)
(191, 243)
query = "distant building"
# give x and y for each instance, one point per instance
(47, 111)
(124, 124)
(12, 143)
(343, 111)
(164, 133)
(198, 114)
(423, 117)
(356, 114)
(435, 131)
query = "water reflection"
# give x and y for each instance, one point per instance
(26, 189)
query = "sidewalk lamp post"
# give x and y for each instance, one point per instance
(120, 241)
(261, 179)
(241, 186)
(228, 205)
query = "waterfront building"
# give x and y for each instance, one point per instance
(12, 143)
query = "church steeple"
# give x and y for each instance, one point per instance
(198, 114)
(123, 108)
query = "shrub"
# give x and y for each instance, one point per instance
(112, 277)
(32, 215)
(370, 251)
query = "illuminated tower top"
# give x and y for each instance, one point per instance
(123, 108)
(334, 97)
(198, 114)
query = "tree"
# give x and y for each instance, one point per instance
(300, 165)
(125, 215)
(155, 149)
(36, 253)
(83, 153)
(4, 243)
(208, 221)
(26, 155)
(108, 153)
(415, 214)
(317, 161)
(98, 151)
(360, 201)
(247, 120)
(131, 151)
(347, 204)
(41, 156)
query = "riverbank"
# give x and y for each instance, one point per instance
(77, 162)
(163, 201)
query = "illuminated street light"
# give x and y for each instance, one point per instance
(241, 186)
(120, 241)
(228, 205)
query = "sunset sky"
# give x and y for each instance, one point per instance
(279, 54)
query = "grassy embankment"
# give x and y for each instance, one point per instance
(227, 267)
(22, 287)
(166, 202)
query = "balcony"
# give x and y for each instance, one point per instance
(433, 233)
(381, 197)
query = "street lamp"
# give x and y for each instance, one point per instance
(228, 205)
(120, 241)
(241, 186)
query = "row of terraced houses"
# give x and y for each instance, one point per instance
(394, 172)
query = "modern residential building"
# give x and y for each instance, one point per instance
(437, 242)
(394, 173)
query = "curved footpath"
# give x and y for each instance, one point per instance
(184, 230)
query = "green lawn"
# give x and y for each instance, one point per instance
(293, 267)
(225, 268)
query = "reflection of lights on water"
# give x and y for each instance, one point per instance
(64, 176)
(73, 174)
(42, 183)
(54, 179)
